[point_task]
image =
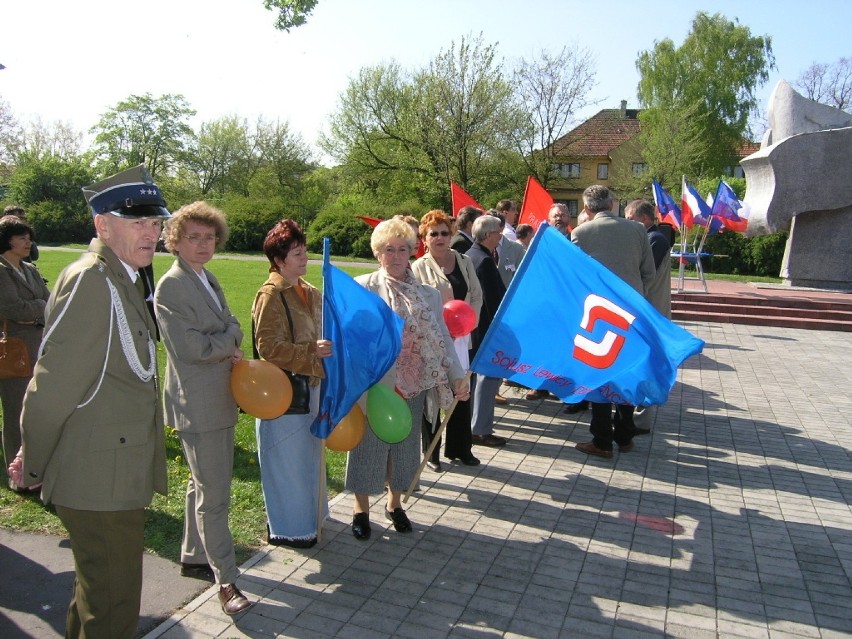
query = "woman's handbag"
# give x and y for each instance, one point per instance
(301, 404)
(14, 356)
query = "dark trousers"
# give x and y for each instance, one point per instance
(458, 442)
(107, 548)
(604, 429)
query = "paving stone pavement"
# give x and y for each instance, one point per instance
(731, 519)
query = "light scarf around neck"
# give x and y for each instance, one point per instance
(422, 364)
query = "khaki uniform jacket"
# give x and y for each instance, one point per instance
(22, 303)
(272, 336)
(200, 340)
(429, 272)
(92, 430)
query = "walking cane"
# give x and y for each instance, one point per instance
(435, 439)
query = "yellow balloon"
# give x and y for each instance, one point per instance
(261, 389)
(348, 432)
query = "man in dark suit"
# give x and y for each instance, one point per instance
(660, 291)
(486, 236)
(622, 246)
(92, 422)
(463, 240)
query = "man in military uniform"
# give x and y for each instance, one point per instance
(92, 422)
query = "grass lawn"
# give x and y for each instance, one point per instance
(240, 279)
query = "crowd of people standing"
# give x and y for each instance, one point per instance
(72, 396)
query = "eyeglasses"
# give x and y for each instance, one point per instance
(202, 239)
(439, 233)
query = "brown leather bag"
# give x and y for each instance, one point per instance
(14, 356)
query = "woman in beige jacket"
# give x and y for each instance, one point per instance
(453, 275)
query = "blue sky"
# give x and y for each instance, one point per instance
(71, 61)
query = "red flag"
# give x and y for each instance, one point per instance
(461, 199)
(374, 222)
(536, 204)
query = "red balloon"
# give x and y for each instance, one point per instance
(459, 317)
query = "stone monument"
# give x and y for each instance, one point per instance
(801, 180)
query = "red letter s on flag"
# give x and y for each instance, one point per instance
(603, 353)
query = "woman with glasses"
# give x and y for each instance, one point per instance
(455, 278)
(202, 340)
(427, 361)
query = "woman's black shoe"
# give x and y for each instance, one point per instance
(361, 526)
(294, 543)
(399, 519)
(470, 461)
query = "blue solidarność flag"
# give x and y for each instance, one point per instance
(569, 325)
(366, 336)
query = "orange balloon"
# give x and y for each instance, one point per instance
(261, 389)
(348, 432)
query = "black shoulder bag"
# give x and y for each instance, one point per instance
(301, 404)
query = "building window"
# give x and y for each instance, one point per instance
(567, 170)
(572, 207)
(639, 169)
(603, 171)
(734, 171)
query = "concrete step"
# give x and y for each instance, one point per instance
(829, 315)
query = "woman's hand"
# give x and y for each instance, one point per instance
(237, 356)
(461, 391)
(16, 469)
(323, 348)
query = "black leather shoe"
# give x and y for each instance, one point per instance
(232, 600)
(399, 519)
(435, 465)
(640, 431)
(361, 526)
(470, 461)
(295, 543)
(488, 440)
(579, 407)
(197, 571)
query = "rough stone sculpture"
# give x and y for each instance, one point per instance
(801, 179)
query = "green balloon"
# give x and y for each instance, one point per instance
(388, 414)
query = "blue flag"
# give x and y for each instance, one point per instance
(367, 339)
(569, 325)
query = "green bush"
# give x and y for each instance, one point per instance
(53, 222)
(249, 220)
(348, 234)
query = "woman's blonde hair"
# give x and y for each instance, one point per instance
(390, 229)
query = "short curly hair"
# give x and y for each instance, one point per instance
(282, 237)
(201, 212)
(434, 218)
(390, 229)
(12, 226)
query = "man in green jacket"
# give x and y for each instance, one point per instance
(92, 422)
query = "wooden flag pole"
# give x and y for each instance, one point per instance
(435, 439)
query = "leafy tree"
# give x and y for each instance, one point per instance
(50, 188)
(713, 77)
(58, 139)
(10, 133)
(672, 140)
(223, 156)
(291, 13)
(143, 130)
(830, 84)
(550, 90)
(409, 133)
